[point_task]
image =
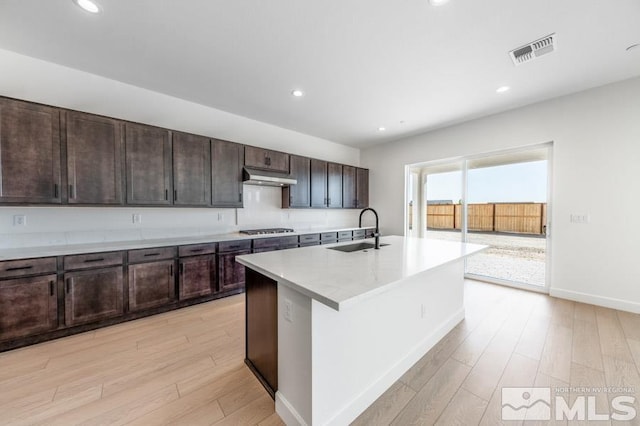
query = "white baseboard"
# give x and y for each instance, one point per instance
(287, 413)
(607, 302)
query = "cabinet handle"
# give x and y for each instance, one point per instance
(175, 195)
(151, 254)
(55, 190)
(71, 191)
(94, 260)
(233, 247)
(68, 284)
(166, 195)
(171, 270)
(19, 268)
(240, 197)
(50, 288)
(197, 250)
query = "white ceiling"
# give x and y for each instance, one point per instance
(361, 63)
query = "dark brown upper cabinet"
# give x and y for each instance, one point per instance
(362, 188)
(298, 195)
(191, 170)
(148, 154)
(266, 159)
(94, 159)
(318, 183)
(349, 195)
(29, 153)
(227, 159)
(334, 185)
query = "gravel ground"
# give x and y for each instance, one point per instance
(514, 257)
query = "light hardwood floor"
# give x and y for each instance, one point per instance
(186, 367)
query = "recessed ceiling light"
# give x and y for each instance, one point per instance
(297, 93)
(503, 89)
(382, 129)
(437, 2)
(88, 5)
(633, 47)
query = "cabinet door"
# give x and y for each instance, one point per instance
(29, 153)
(227, 159)
(349, 187)
(298, 195)
(264, 159)
(28, 306)
(191, 170)
(148, 153)
(197, 276)
(362, 188)
(318, 183)
(94, 159)
(93, 295)
(230, 272)
(151, 284)
(334, 185)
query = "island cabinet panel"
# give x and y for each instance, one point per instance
(151, 284)
(362, 188)
(227, 160)
(261, 313)
(93, 295)
(197, 276)
(94, 159)
(230, 272)
(28, 306)
(349, 195)
(334, 185)
(191, 170)
(29, 153)
(266, 159)
(298, 195)
(318, 183)
(148, 171)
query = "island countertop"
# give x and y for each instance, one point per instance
(338, 279)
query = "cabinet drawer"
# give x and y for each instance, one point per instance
(227, 246)
(151, 254)
(345, 235)
(18, 268)
(309, 238)
(196, 249)
(93, 260)
(358, 234)
(275, 242)
(329, 236)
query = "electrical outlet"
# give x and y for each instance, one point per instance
(579, 218)
(288, 310)
(19, 220)
(136, 218)
(220, 216)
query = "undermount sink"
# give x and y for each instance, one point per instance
(355, 247)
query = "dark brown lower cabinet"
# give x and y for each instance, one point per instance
(28, 306)
(261, 312)
(151, 284)
(197, 276)
(93, 295)
(230, 272)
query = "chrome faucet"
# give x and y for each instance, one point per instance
(376, 233)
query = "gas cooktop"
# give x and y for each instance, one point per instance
(266, 231)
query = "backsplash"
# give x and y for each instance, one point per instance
(47, 226)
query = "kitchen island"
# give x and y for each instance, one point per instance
(329, 331)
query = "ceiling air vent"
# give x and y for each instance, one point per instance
(533, 50)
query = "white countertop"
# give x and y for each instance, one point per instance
(67, 249)
(339, 279)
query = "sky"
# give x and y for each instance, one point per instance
(521, 182)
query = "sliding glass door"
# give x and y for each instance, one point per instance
(500, 200)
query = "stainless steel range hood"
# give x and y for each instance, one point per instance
(267, 178)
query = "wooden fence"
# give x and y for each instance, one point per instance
(520, 218)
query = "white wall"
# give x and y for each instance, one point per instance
(40, 81)
(596, 170)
